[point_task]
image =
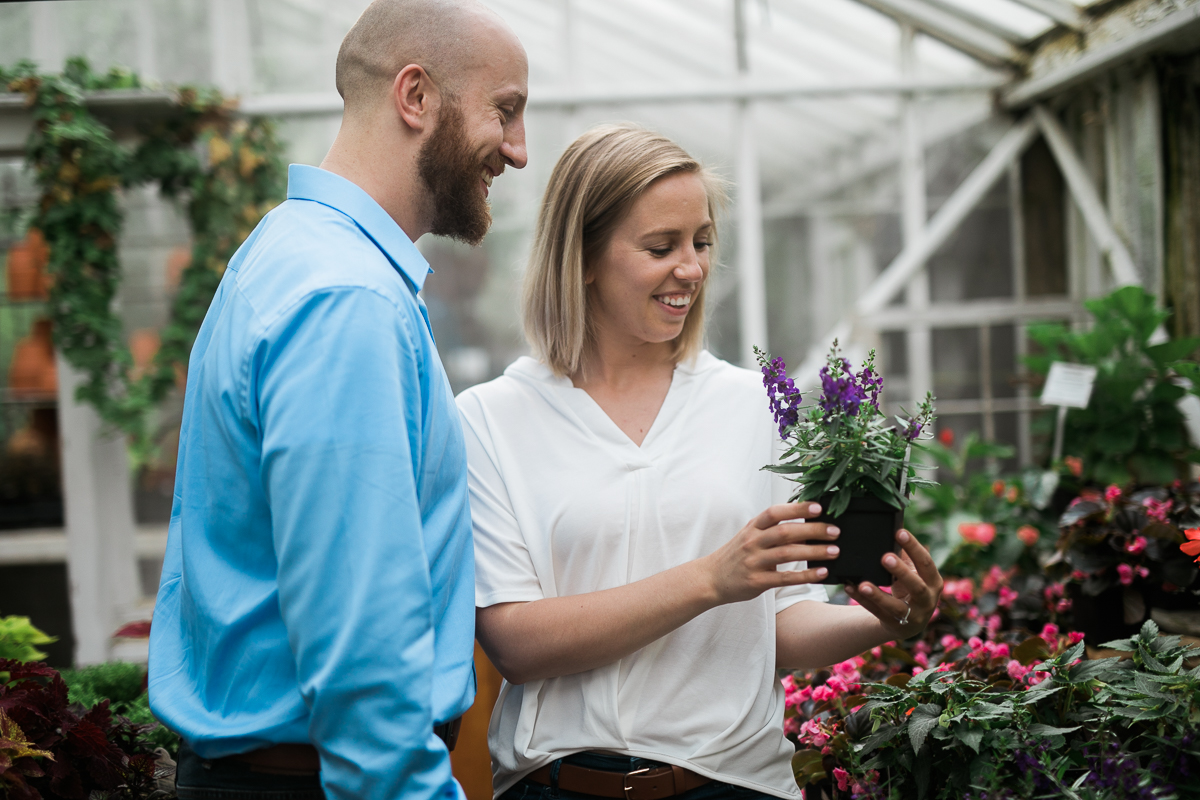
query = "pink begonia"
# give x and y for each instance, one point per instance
(1125, 574)
(973, 614)
(1038, 677)
(791, 726)
(1157, 509)
(1063, 606)
(921, 659)
(1028, 535)
(1078, 575)
(945, 666)
(917, 670)
(963, 590)
(812, 733)
(993, 624)
(1136, 547)
(1016, 670)
(843, 779)
(995, 577)
(1142, 572)
(937, 612)
(1007, 596)
(789, 683)
(837, 684)
(1055, 590)
(1112, 493)
(876, 652)
(994, 650)
(950, 641)
(1050, 633)
(975, 642)
(921, 646)
(1074, 637)
(980, 533)
(822, 693)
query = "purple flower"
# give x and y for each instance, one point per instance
(782, 393)
(840, 393)
(871, 383)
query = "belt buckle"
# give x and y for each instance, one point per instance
(625, 780)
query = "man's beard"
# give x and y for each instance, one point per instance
(452, 173)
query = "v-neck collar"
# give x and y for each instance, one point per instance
(597, 421)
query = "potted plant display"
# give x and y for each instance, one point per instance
(1123, 553)
(845, 453)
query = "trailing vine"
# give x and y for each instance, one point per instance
(231, 173)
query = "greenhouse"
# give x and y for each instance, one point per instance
(956, 244)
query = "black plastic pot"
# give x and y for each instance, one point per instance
(869, 528)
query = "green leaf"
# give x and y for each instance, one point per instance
(1039, 729)
(838, 471)
(923, 719)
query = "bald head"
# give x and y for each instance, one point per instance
(447, 38)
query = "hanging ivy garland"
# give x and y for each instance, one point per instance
(229, 169)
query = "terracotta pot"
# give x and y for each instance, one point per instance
(24, 278)
(869, 528)
(143, 345)
(33, 372)
(179, 260)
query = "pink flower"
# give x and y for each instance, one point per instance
(1012, 494)
(1050, 633)
(1074, 637)
(1125, 574)
(1112, 493)
(921, 646)
(1016, 671)
(1054, 591)
(921, 659)
(1038, 677)
(791, 726)
(1157, 509)
(980, 533)
(1074, 464)
(945, 666)
(877, 652)
(993, 624)
(1078, 575)
(994, 578)
(1136, 547)
(950, 641)
(917, 670)
(811, 732)
(998, 488)
(838, 685)
(1007, 596)
(1142, 572)
(823, 693)
(1063, 606)
(963, 590)
(843, 779)
(1028, 535)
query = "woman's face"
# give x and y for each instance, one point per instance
(642, 285)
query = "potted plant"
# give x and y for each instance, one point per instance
(1122, 551)
(844, 453)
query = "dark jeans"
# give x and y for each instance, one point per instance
(225, 779)
(528, 790)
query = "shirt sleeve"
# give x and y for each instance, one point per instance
(788, 596)
(338, 397)
(504, 570)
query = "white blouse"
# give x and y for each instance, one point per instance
(564, 503)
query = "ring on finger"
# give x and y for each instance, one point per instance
(907, 613)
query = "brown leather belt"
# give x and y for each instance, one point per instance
(302, 759)
(647, 783)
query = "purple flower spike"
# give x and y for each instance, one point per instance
(840, 392)
(781, 393)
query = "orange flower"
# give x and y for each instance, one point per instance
(1192, 546)
(1074, 464)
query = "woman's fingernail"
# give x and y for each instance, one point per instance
(831, 550)
(822, 572)
(832, 530)
(866, 590)
(814, 509)
(903, 537)
(889, 560)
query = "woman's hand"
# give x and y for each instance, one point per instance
(916, 587)
(745, 566)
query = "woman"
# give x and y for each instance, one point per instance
(638, 640)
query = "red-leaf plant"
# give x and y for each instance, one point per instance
(90, 750)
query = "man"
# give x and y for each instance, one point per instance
(314, 627)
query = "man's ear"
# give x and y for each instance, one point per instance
(415, 97)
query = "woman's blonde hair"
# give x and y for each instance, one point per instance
(593, 186)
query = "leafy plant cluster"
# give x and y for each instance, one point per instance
(1040, 722)
(842, 446)
(1131, 540)
(52, 748)
(123, 686)
(19, 639)
(1132, 432)
(228, 169)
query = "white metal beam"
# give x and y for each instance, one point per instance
(752, 292)
(1087, 199)
(983, 23)
(913, 216)
(296, 104)
(913, 257)
(1182, 24)
(951, 29)
(1065, 14)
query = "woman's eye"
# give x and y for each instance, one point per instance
(703, 245)
(659, 252)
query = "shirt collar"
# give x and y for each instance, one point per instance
(322, 186)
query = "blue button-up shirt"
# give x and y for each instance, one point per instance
(318, 582)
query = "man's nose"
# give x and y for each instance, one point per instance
(513, 147)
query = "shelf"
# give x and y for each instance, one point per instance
(10, 398)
